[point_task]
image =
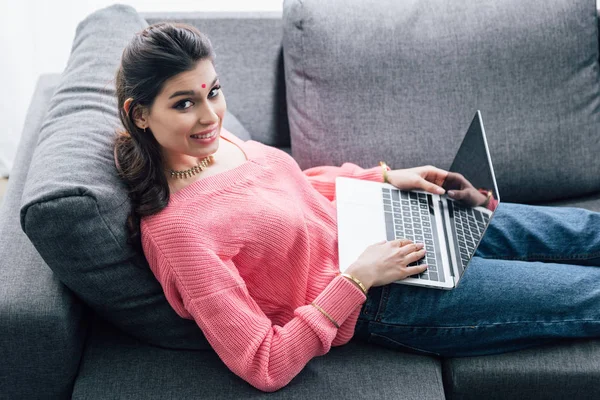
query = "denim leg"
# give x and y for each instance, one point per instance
(568, 235)
(498, 306)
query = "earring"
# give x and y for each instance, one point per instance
(144, 129)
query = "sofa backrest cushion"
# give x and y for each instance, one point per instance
(74, 205)
(401, 80)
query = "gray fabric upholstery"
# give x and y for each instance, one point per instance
(233, 125)
(74, 204)
(116, 366)
(570, 370)
(42, 324)
(249, 62)
(400, 82)
(591, 202)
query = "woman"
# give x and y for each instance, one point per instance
(244, 242)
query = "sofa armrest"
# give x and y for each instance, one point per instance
(42, 324)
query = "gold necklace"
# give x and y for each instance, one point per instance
(205, 162)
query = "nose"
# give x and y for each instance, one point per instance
(207, 116)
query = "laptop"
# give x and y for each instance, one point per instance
(369, 212)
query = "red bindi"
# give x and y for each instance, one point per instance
(203, 85)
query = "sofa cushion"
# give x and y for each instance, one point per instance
(74, 205)
(353, 371)
(568, 370)
(42, 325)
(591, 202)
(401, 81)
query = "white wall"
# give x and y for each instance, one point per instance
(36, 37)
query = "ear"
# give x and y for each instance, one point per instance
(140, 117)
(140, 114)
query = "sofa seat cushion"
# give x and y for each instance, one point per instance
(353, 371)
(400, 82)
(569, 370)
(590, 202)
(74, 205)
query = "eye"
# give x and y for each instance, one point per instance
(215, 90)
(182, 105)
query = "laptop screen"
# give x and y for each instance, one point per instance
(471, 175)
(472, 196)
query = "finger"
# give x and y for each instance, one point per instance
(402, 242)
(417, 269)
(411, 248)
(441, 176)
(413, 257)
(435, 174)
(431, 187)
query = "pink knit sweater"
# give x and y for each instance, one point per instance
(246, 251)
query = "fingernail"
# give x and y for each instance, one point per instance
(451, 193)
(440, 191)
(420, 245)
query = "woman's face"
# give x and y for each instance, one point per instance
(190, 104)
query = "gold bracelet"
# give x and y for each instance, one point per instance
(356, 282)
(385, 171)
(325, 314)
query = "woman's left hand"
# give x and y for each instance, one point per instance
(427, 178)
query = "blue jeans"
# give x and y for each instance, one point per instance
(533, 280)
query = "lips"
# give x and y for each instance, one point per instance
(209, 130)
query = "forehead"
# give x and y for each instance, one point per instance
(204, 72)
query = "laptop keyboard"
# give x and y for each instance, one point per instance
(409, 215)
(469, 225)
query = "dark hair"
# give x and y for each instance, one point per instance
(153, 56)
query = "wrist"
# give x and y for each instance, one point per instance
(384, 170)
(357, 279)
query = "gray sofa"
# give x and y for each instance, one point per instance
(321, 82)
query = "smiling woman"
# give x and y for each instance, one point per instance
(245, 243)
(168, 97)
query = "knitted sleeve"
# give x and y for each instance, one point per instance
(201, 285)
(323, 178)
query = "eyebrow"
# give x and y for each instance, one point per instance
(190, 92)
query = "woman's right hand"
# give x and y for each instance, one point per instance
(386, 262)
